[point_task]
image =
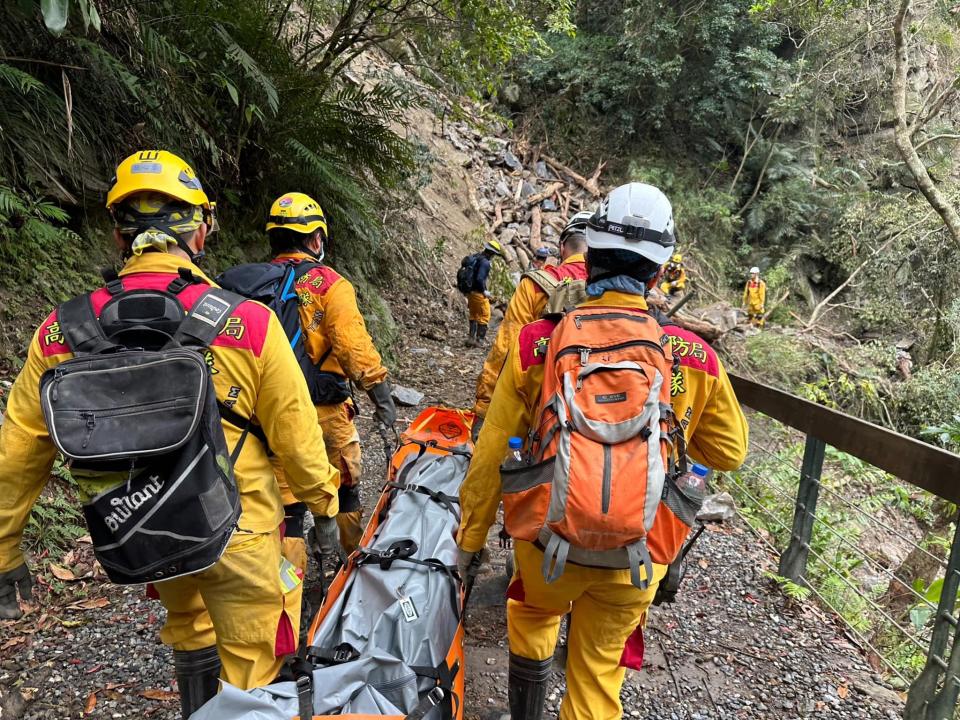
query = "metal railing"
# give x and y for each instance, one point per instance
(828, 521)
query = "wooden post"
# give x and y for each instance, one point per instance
(933, 695)
(793, 561)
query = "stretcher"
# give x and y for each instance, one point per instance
(388, 641)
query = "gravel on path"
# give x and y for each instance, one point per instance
(731, 647)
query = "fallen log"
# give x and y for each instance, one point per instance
(498, 215)
(591, 185)
(535, 227)
(708, 331)
(537, 198)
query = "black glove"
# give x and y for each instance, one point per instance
(10, 581)
(325, 537)
(384, 410)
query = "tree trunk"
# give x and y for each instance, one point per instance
(902, 130)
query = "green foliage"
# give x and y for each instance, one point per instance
(931, 397)
(791, 589)
(644, 69)
(787, 361)
(55, 522)
(946, 433)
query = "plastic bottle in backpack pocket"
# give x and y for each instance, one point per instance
(514, 456)
(693, 483)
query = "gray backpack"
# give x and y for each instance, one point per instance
(137, 403)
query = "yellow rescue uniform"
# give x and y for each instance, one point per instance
(755, 298)
(335, 336)
(525, 307)
(479, 308)
(674, 280)
(239, 603)
(605, 605)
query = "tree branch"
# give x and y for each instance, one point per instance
(901, 131)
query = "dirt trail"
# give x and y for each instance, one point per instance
(732, 647)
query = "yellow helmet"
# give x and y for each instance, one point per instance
(677, 258)
(157, 171)
(298, 212)
(494, 247)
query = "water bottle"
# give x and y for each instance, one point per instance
(514, 456)
(693, 483)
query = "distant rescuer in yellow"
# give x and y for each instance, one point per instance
(339, 348)
(674, 276)
(573, 384)
(237, 612)
(476, 269)
(527, 305)
(755, 297)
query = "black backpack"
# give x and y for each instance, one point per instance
(137, 401)
(275, 285)
(467, 274)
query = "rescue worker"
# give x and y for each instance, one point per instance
(674, 276)
(540, 257)
(527, 305)
(337, 341)
(755, 297)
(606, 606)
(478, 299)
(237, 612)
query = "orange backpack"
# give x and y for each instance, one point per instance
(599, 455)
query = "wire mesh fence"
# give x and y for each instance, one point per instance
(875, 549)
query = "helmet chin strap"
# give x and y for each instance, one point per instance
(317, 256)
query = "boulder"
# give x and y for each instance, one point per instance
(509, 160)
(723, 316)
(406, 397)
(719, 507)
(543, 171)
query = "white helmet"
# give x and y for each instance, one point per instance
(754, 269)
(576, 224)
(635, 217)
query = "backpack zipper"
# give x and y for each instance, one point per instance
(577, 349)
(578, 320)
(607, 478)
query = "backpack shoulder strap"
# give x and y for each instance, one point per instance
(544, 280)
(207, 317)
(81, 328)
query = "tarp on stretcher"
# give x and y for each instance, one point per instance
(388, 640)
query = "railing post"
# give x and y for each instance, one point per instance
(793, 560)
(924, 702)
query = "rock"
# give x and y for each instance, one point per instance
(502, 188)
(719, 507)
(543, 171)
(722, 316)
(527, 189)
(507, 236)
(419, 351)
(509, 160)
(548, 205)
(878, 692)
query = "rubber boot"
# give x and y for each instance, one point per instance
(472, 335)
(198, 677)
(527, 687)
(481, 333)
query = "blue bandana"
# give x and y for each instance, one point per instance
(620, 283)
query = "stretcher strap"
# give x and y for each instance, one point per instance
(444, 675)
(434, 445)
(338, 655)
(448, 502)
(428, 703)
(302, 671)
(402, 551)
